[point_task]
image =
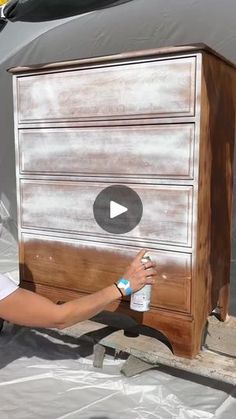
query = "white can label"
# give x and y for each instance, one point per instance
(140, 300)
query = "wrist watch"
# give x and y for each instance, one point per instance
(124, 285)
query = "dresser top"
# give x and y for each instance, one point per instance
(147, 53)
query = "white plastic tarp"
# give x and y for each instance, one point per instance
(50, 375)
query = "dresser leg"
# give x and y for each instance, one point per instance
(223, 303)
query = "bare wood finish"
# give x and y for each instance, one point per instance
(143, 151)
(160, 88)
(161, 121)
(218, 110)
(161, 320)
(120, 58)
(68, 206)
(89, 267)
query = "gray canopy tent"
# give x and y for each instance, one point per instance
(52, 378)
(133, 25)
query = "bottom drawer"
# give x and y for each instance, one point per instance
(88, 266)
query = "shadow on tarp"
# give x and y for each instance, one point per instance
(35, 338)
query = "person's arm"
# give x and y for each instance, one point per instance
(29, 309)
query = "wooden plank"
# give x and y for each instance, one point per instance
(206, 364)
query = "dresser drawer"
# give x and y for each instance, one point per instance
(88, 267)
(135, 90)
(146, 151)
(68, 206)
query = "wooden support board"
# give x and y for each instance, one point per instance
(217, 362)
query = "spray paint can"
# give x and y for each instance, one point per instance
(140, 300)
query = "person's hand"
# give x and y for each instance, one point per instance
(140, 274)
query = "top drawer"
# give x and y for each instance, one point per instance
(152, 89)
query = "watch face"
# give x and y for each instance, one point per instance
(123, 283)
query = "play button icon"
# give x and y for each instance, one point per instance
(118, 209)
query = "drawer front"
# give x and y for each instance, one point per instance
(68, 206)
(150, 151)
(146, 89)
(88, 267)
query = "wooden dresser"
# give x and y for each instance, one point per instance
(159, 121)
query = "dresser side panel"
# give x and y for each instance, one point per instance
(213, 246)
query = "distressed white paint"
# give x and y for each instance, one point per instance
(68, 206)
(159, 88)
(161, 150)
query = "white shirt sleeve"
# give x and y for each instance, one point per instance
(7, 286)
